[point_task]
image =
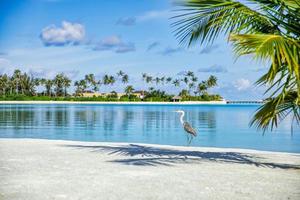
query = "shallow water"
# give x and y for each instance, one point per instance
(217, 125)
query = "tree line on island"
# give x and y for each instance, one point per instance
(22, 86)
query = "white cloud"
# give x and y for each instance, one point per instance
(109, 42)
(126, 47)
(68, 33)
(214, 69)
(242, 84)
(209, 49)
(171, 50)
(146, 16)
(154, 14)
(114, 43)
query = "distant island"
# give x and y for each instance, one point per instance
(24, 87)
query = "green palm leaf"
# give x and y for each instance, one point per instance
(206, 19)
(281, 50)
(276, 109)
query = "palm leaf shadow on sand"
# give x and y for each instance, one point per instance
(153, 156)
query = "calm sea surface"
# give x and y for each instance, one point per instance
(217, 125)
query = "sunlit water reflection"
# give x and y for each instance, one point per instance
(217, 125)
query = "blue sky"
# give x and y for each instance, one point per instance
(44, 37)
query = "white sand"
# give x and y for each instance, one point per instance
(44, 169)
(118, 102)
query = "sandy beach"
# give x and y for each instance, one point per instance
(118, 102)
(50, 169)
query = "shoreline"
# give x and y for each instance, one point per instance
(204, 148)
(118, 102)
(53, 169)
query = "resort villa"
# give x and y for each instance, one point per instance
(176, 98)
(89, 93)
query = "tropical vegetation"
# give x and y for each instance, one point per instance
(267, 29)
(22, 86)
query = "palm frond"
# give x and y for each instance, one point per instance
(283, 51)
(284, 13)
(276, 109)
(207, 19)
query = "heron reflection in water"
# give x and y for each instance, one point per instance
(187, 127)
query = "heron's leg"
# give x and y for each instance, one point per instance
(191, 137)
(187, 138)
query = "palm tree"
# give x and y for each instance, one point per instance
(185, 80)
(194, 79)
(48, 84)
(98, 85)
(162, 80)
(4, 83)
(108, 80)
(176, 82)
(120, 73)
(125, 78)
(157, 80)
(77, 90)
(202, 87)
(42, 81)
(144, 76)
(66, 84)
(184, 93)
(105, 79)
(59, 84)
(270, 32)
(91, 81)
(190, 74)
(28, 84)
(81, 86)
(149, 79)
(113, 94)
(112, 80)
(128, 90)
(191, 85)
(16, 80)
(211, 81)
(12, 85)
(151, 89)
(168, 80)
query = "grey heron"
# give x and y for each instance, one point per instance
(187, 127)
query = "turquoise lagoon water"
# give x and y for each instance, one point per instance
(217, 125)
